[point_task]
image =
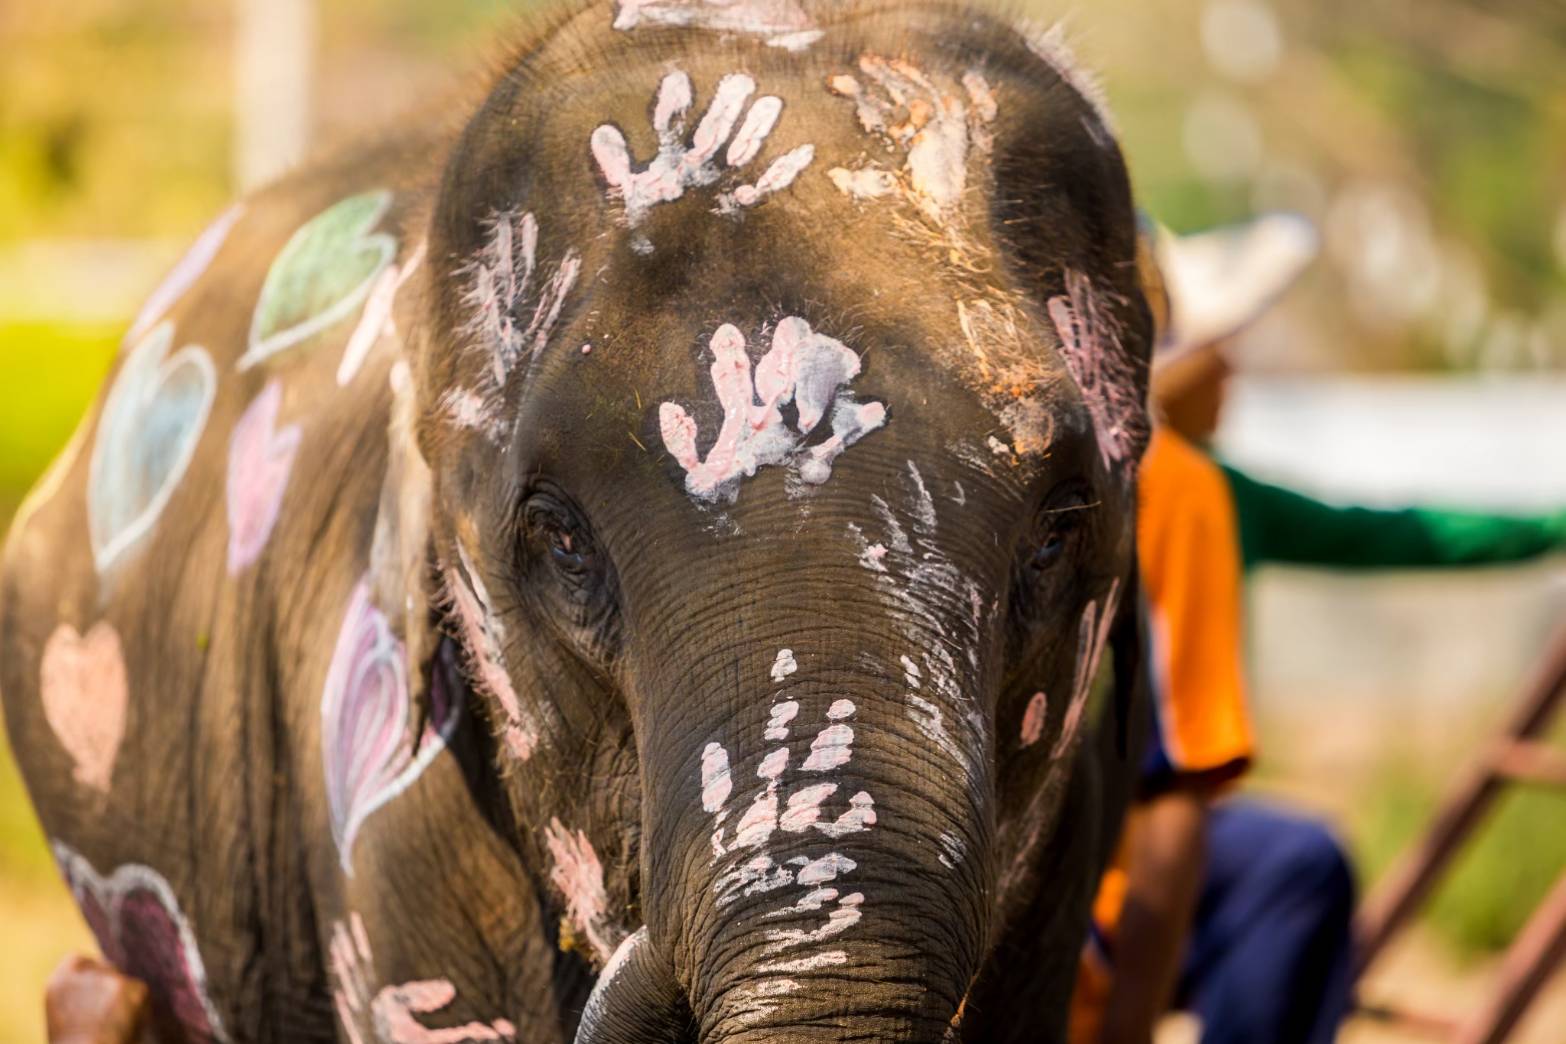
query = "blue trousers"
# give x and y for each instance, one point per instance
(1270, 955)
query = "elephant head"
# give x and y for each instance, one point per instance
(772, 427)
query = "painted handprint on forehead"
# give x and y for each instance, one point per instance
(803, 368)
(1096, 356)
(937, 127)
(511, 315)
(680, 163)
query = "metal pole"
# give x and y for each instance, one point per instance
(274, 45)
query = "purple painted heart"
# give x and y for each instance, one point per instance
(139, 925)
(368, 755)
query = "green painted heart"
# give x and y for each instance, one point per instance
(323, 276)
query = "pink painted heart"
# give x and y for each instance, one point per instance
(139, 925)
(85, 694)
(260, 460)
(369, 757)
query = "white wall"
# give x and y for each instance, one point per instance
(1416, 652)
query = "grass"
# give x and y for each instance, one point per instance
(50, 374)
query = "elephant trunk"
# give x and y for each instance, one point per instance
(817, 851)
(636, 1000)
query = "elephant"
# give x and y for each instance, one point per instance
(624, 559)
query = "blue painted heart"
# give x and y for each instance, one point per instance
(322, 276)
(147, 435)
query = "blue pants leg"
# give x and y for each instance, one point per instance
(1270, 956)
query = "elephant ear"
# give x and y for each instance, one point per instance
(1123, 729)
(401, 571)
(1063, 213)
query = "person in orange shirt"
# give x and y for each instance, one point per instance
(1237, 911)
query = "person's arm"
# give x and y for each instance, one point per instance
(1283, 526)
(88, 1002)
(1166, 854)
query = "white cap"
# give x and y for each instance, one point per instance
(1221, 281)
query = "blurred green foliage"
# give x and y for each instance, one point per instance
(115, 118)
(51, 373)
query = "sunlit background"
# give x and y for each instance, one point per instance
(1422, 359)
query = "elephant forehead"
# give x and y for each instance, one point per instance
(774, 244)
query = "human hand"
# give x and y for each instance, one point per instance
(88, 1002)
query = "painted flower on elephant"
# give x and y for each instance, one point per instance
(365, 713)
(322, 276)
(804, 369)
(678, 166)
(139, 925)
(391, 1012)
(147, 435)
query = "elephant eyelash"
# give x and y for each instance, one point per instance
(1055, 512)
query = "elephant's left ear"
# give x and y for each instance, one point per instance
(401, 570)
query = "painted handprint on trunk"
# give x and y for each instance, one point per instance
(791, 802)
(681, 164)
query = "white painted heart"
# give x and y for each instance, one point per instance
(85, 694)
(147, 436)
(323, 274)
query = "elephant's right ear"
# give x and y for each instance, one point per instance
(401, 557)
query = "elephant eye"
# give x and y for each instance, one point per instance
(556, 528)
(1059, 522)
(567, 549)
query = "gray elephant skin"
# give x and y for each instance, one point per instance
(625, 560)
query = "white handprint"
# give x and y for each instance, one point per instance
(392, 1011)
(804, 368)
(500, 284)
(793, 808)
(770, 811)
(679, 165)
(934, 126)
